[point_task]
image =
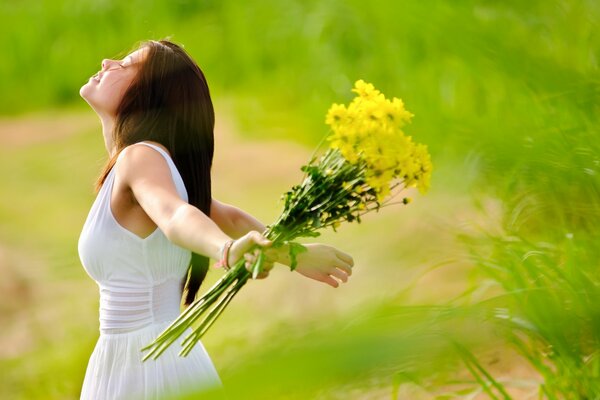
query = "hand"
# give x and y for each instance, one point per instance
(267, 265)
(246, 247)
(322, 262)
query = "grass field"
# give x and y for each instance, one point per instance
(46, 344)
(486, 287)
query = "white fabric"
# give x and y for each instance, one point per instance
(139, 280)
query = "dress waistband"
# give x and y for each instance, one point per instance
(129, 308)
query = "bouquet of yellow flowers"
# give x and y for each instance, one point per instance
(368, 162)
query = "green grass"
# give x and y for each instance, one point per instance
(46, 209)
(504, 93)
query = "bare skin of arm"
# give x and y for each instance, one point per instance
(149, 178)
(234, 221)
(321, 262)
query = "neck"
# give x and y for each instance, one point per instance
(108, 124)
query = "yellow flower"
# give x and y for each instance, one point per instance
(364, 90)
(369, 132)
(402, 116)
(336, 114)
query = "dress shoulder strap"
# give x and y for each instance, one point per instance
(160, 150)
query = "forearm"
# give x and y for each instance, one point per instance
(241, 223)
(283, 255)
(191, 229)
(245, 223)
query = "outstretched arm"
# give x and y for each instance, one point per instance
(147, 175)
(321, 262)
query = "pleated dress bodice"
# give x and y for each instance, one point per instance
(140, 279)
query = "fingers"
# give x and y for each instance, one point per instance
(251, 260)
(259, 239)
(246, 247)
(249, 241)
(339, 274)
(252, 257)
(345, 257)
(262, 275)
(330, 281)
(345, 267)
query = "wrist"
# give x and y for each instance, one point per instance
(283, 254)
(223, 257)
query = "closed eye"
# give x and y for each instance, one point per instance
(120, 65)
(124, 63)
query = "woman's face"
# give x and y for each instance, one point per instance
(104, 90)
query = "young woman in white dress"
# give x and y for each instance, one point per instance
(154, 224)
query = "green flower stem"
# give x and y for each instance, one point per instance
(257, 267)
(340, 163)
(195, 336)
(208, 320)
(178, 327)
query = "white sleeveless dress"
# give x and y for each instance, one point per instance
(140, 293)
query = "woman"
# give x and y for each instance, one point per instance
(154, 224)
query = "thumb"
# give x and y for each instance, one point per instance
(262, 241)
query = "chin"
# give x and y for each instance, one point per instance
(84, 91)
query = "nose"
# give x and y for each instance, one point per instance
(106, 62)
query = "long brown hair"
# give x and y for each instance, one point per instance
(169, 102)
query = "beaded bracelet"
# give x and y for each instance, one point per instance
(224, 261)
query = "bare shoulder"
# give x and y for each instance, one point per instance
(138, 161)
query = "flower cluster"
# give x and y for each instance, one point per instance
(369, 131)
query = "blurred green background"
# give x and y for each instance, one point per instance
(487, 287)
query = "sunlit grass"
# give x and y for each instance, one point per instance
(505, 94)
